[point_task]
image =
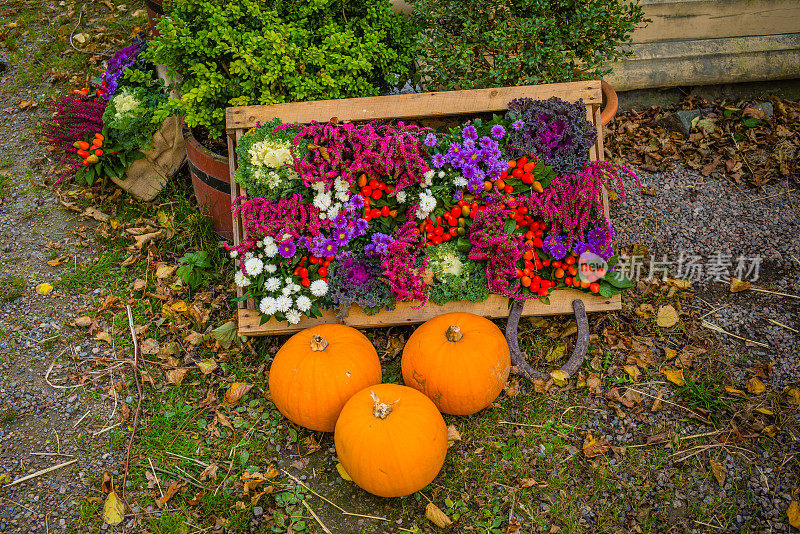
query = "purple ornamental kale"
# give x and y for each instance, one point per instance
(555, 130)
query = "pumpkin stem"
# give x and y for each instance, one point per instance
(381, 410)
(453, 334)
(318, 343)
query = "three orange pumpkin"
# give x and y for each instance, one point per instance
(391, 440)
(461, 361)
(316, 372)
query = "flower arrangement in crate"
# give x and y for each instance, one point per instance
(99, 134)
(342, 214)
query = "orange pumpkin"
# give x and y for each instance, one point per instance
(315, 373)
(391, 440)
(460, 360)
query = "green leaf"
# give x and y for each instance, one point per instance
(751, 123)
(618, 280)
(509, 226)
(226, 334)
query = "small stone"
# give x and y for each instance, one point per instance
(258, 511)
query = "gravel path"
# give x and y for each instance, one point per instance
(721, 224)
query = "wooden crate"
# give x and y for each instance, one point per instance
(416, 106)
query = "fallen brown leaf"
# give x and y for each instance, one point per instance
(667, 316)
(719, 472)
(175, 376)
(793, 513)
(210, 472)
(436, 516)
(756, 386)
(173, 488)
(83, 322)
(737, 285)
(235, 392)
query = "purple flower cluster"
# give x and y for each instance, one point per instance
(119, 62)
(344, 230)
(380, 244)
(476, 158)
(555, 247)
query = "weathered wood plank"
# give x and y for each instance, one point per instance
(708, 61)
(495, 307)
(439, 104)
(713, 19)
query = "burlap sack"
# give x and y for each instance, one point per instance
(146, 177)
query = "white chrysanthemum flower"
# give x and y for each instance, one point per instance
(429, 174)
(272, 284)
(268, 240)
(296, 288)
(287, 290)
(401, 197)
(286, 237)
(241, 279)
(322, 216)
(288, 280)
(270, 268)
(248, 255)
(322, 201)
(303, 303)
(268, 306)
(343, 196)
(319, 288)
(293, 316)
(333, 211)
(441, 174)
(427, 202)
(319, 187)
(460, 181)
(340, 185)
(283, 303)
(234, 253)
(254, 266)
(270, 249)
(422, 215)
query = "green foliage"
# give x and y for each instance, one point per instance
(194, 268)
(262, 179)
(470, 44)
(244, 52)
(455, 277)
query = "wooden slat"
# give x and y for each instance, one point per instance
(495, 307)
(442, 104)
(708, 61)
(713, 19)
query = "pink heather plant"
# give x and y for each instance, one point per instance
(403, 277)
(73, 119)
(275, 218)
(377, 150)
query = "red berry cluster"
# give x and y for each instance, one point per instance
(316, 266)
(520, 169)
(374, 190)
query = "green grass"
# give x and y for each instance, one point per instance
(8, 416)
(11, 287)
(4, 181)
(85, 277)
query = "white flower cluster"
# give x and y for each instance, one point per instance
(288, 302)
(124, 102)
(460, 181)
(427, 203)
(329, 203)
(401, 197)
(270, 153)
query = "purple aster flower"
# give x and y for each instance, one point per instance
(361, 226)
(454, 148)
(469, 144)
(554, 246)
(287, 249)
(475, 185)
(517, 124)
(430, 139)
(498, 131)
(438, 161)
(579, 247)
(355, 204)
(329, 248)
(486, 143)
(469, 133)
(459, 194)
(469, 172)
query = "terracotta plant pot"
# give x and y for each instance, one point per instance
(154, 12)
(210, 174)
(611, 103)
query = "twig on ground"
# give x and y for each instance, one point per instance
(716, 328)
(784, 326)
(103, 431)
(171, 443)
(316, 517)
(51, 454)
(770, 196)
(680, 438)
(81, 419)
(198, 462)
(156, 476)
(40, 473)
(170, 473)
(778, 293)
(17, 504)
(694, 413)
(47, 376)
(135, 365)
